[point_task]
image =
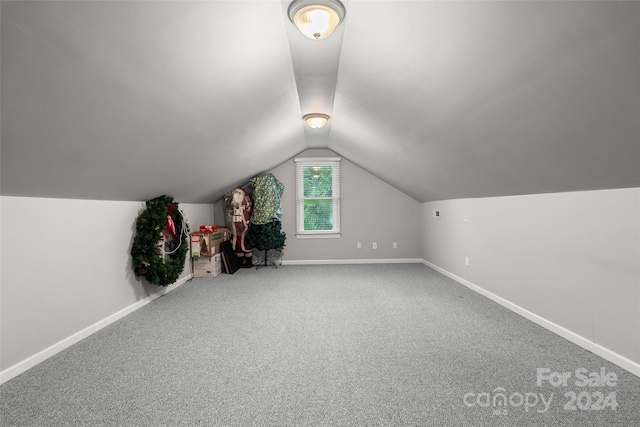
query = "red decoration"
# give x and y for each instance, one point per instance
(170, 228)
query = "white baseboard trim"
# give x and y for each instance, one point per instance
(353, 261)
(583, 342)
(30, 362)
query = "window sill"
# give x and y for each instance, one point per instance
(318, 236)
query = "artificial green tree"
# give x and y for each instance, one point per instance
(265, 237)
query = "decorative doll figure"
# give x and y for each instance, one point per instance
(241, 204)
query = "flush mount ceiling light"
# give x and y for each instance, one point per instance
(316, 19)
(316, 120)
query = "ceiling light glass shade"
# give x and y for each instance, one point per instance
(316, 19)
(316, 120)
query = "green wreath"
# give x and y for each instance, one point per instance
(160, 246)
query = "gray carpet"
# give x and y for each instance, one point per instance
(346, 345)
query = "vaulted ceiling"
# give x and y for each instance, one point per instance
(127, 100)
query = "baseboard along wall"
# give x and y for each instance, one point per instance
(18, 368)
(605, 353)
(579, 340)
(354, 261)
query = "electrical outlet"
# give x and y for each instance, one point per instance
(375, 245)
(395, 245)
(466, 260)
(359, 245)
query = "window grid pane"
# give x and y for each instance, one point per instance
(318, 181)
(318, 214)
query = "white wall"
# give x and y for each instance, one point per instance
(66, 266)
(573, 259)
(371, 210)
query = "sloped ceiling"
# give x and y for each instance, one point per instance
(442, 99)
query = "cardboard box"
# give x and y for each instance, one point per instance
(195, 245)
(218, 237)
(207, 244)
(217, 264)
(201, 245)
(207, 266)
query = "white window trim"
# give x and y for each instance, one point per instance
(301, 233)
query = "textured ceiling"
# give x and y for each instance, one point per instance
(130, 100)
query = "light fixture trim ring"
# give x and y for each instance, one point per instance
(335, 5)
(308, 119)
(296, 5)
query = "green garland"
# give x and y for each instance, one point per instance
(146, 250)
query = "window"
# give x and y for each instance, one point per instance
(317, 197)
